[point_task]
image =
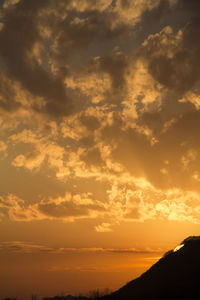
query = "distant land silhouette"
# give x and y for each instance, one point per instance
(175, 276)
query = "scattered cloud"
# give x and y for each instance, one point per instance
(128, 201)
(104, 227)
(68, 208)
(95, 99)
(30, 247)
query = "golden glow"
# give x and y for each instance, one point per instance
(99, 140)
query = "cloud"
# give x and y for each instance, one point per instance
(86, 5)
(121, 82)
(9, 3)
(14, 208)
(24, 247)
(131, 12)
(30, 247)
(115, 65)
(41, 149)
(80, 29)
(104, 227)
(8, 101)
(127, 199)
(68, 208)
(15, 57)
(3, 146)
(135, 201)
(172, 58)
(41, 61)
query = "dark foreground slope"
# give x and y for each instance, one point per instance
(175, 276)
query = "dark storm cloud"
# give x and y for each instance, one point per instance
(81, 30)
(173, 13)
(17, 38)
(178, 71)
(191, 7)
(115, 65)
(7, 95)
(155, 15)
(71, 35)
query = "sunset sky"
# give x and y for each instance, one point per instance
(99, 140)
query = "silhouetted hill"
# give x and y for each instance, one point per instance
(175, 276)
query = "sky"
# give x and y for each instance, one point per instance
(99, 140)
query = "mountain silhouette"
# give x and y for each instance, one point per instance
(175, 276)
